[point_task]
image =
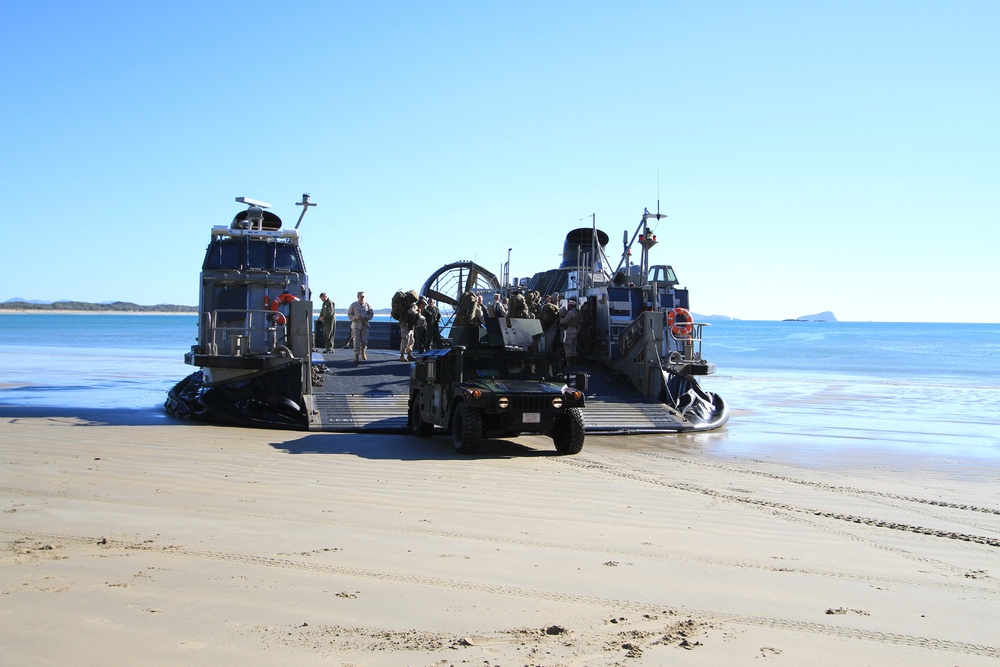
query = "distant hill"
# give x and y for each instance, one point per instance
(825, 316)
(710, 318)
(111, 307)
(18, 299)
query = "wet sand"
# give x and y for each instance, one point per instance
(131, 539)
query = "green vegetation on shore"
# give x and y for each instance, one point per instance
(114, 307)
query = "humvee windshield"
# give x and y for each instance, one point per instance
(511, 366)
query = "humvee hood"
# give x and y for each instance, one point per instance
(520, 386)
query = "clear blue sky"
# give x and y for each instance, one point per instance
(811, 156)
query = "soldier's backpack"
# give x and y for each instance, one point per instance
(547, 314)
(401, 302)
(466, 309)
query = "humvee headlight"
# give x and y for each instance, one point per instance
(577, 396)
(557, 402)
(503, 402)
(477, 394)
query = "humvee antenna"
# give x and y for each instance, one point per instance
(305, 204)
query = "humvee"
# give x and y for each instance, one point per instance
(491, 384)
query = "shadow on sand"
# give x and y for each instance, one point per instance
(403, 447)
(152, 416)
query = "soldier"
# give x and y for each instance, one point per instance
(570, 324)
(360, 314)
(433, 317)
(518, 306)
(548, 315)
(421, 339)
(328, 316)
(557, 345)
(497, 309)
(479, 315)
(534, 300)
(407, 322)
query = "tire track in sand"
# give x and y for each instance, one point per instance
(962, 584)
(825, 630)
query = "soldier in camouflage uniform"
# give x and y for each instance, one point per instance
(433, 317)
(360, 314)
(570, 323)
(406, 325)
(421, 339)
(548, 315)
(519, 307)
(497, 309)
(328, 316)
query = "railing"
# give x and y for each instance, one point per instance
(688, 347)
(676, 348)
(256, 334)
(631, 336)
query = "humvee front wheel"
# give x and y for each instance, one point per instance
(466, 429)
(419, 427)
(568, 432)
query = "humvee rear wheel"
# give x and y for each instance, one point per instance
(568, 432)
(466, 429)
(417, 424)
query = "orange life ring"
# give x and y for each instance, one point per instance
(276, 302)
(679, 320)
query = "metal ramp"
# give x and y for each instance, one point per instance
(617, 415)
(349, 412)
(370, 396)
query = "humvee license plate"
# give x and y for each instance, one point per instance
(532, 418)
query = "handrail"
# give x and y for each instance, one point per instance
(254, 321)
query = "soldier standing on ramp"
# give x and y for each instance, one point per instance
(360, 314)
(328, 316)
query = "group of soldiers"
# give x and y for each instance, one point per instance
(359, 314)
(561, 326)
(564, 329)
(419, 323)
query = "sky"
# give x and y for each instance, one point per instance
(840, 156)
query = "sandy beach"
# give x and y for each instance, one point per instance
(161, 543)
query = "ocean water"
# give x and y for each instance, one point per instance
(810, 391)
(814, 390)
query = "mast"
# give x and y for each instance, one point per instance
(305, 204)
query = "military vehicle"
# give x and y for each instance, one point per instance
(492, 384)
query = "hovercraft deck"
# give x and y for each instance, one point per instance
(372, 396)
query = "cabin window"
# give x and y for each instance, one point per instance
(257, 255)
(663, 275)
(223, 254)
(286, 258)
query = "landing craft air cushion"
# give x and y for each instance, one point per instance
(258, 366)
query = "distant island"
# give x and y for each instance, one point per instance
(110, 307)
(825, 316)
